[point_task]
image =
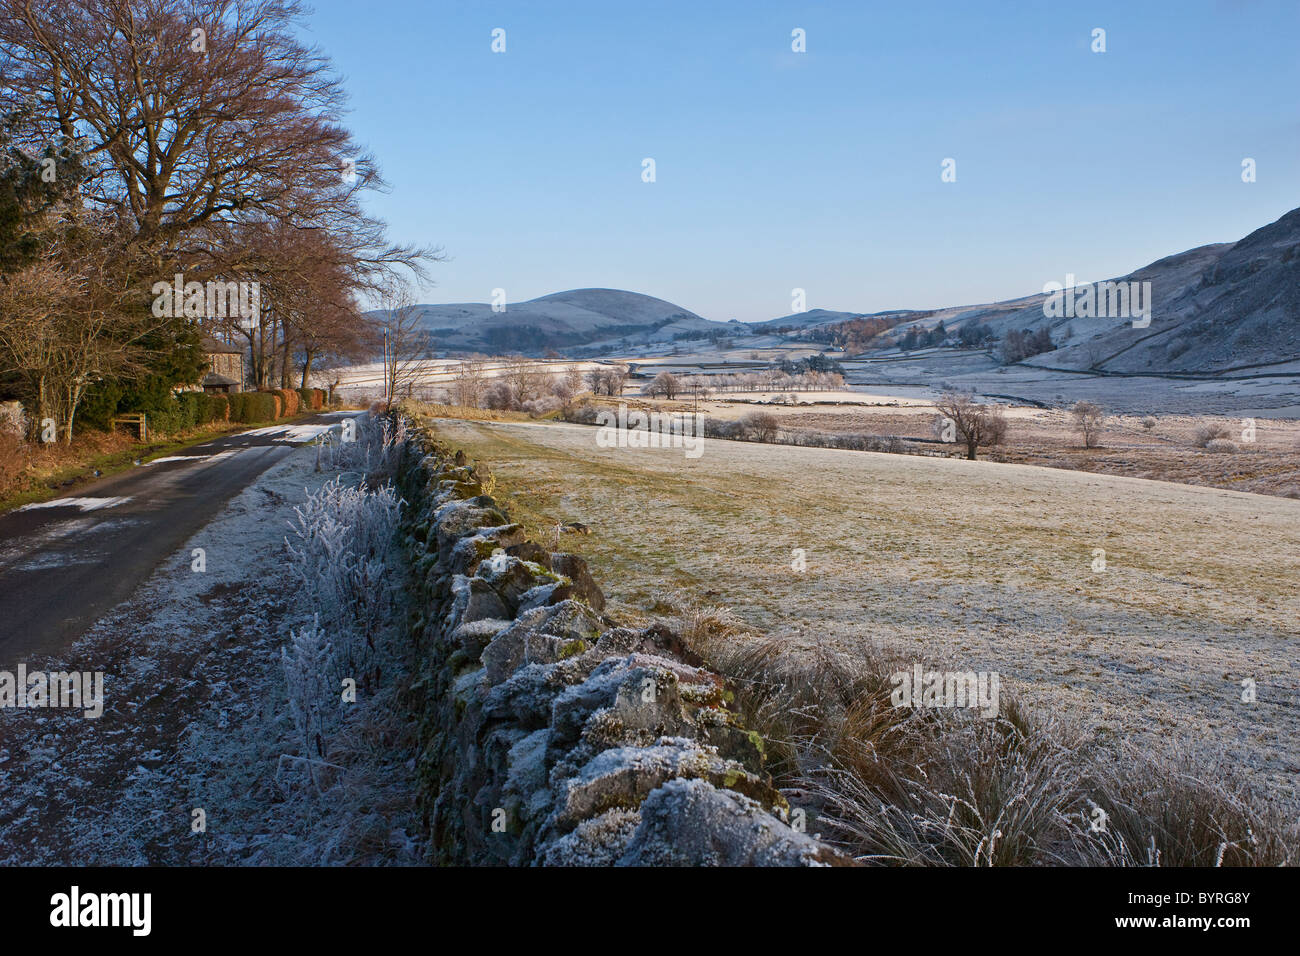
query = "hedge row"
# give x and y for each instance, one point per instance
(250, 407)
(187, 409)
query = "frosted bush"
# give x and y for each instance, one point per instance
(13, 420)
(343, 535)
(314, 705)
(375, 449)
(1208, 433)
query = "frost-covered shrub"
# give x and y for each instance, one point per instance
(1208, 433)
(722, 428)
(336, 520)
(13, 420)
(584, 414)
(314, 703)
(541, 406)
(342, 536)
(373, 446)
(1221, 446)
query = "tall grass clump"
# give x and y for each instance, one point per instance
(946, 787)
(340, 550)
(370, 446)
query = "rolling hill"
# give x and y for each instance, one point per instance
(557, 321)
(1214, 309)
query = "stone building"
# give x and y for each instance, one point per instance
(225, 366)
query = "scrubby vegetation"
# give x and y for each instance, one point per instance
(1018, 345)
(932, 787)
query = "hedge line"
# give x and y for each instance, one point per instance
(189, 409)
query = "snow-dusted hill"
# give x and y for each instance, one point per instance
(560, 320)
(1212, 308)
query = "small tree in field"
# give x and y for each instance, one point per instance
(972, 423)
(665, 384)
(1089, 418)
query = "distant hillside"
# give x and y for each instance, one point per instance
(814, 318)
(1214, 308)
(562, 320)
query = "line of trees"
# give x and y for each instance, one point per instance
(513, 384)
(768, 380)
(201, 138)
(923, 338)
(854, 335)
(1018, 345)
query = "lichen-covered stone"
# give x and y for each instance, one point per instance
(600, 841)
(694, 823)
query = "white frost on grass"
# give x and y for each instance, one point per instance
(197, 717)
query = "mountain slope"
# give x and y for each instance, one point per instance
(1213, 308)
(560, 320)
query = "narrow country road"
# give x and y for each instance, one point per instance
(65, 562)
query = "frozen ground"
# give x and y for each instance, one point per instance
(195, 719)
(981, 565)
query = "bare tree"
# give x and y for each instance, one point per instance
(760, 426)
(613, 379)
(398, 323)
(665, 384)
(67, 321)
(192, 133)
(973, 424)
(1089, 418)
(469, 383)
(525, 381)
(573, 379)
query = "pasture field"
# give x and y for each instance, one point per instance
(958, 565)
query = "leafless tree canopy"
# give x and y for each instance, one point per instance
(665, 384)
(1089, 418)
(206, 140)
(974, 424)
(398, 324)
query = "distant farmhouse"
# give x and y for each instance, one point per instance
(225, 364)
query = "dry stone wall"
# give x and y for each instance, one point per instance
(550, 735)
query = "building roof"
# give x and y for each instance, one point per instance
(212, 378)
(213, 346)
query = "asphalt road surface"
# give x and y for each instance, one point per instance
(66, 562)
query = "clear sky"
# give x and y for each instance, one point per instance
(818, 170)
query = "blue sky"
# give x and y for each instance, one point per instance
(817, 170)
